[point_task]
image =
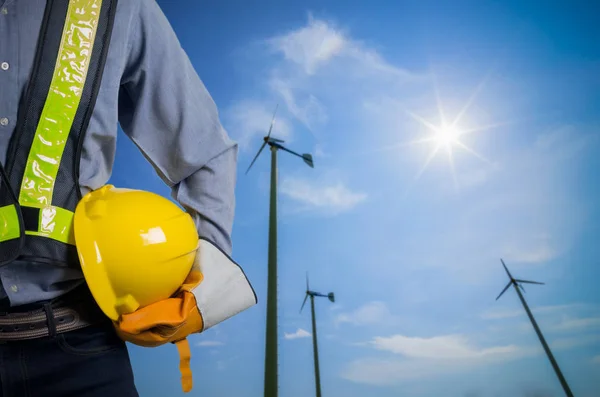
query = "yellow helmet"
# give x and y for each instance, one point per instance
(135, 247)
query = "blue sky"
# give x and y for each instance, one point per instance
(412, 252)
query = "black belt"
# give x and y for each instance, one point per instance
(51, 318)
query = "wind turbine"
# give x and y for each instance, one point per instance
(271, 381)
(517, 284)
(312, 295)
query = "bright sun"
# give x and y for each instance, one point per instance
(446, 135)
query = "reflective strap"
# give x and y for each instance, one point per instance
(61, 104)
(185, 355)
(55, 223)
(9, 223)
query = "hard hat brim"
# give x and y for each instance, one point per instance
(92, 265)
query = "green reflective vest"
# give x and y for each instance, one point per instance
(39, 187)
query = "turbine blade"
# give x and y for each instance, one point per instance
(272, 121)
(302, 307)
(255, 157)
(308, 160)
(504, 290)
(505, 268)
(529, 282)
(520, 286)
(307, 282)
(276, 140)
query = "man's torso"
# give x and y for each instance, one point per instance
(20, 22)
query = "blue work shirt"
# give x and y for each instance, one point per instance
(151, 89)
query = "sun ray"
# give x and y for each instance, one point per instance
(473, 152)
(438, 100)
(452, 169)
(486, 127)
(422, 140)
(429, 158)
(393, 146)
(469, 102)
(420, 119)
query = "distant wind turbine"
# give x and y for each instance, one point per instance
(516, 283)
(271, 381)
(312, 295)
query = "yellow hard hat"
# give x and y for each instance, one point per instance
(135, 247)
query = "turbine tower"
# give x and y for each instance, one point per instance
(312, 295)
(271, 357)
(516, 283)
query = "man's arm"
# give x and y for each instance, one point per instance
(166, 110)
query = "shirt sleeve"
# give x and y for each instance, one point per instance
(168, 113)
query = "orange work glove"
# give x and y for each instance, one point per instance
(170, 320)
(165, 321)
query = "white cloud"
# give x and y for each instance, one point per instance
(319, 63)
(454, 347)
(576, 324)
(572, 342)
(311, 45)
(375, 312)
(427, 357)
(319, 42)
(305, 107)
(332, 198)
(209, 343)
(300, 333)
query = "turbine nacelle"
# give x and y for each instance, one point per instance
(276, 143)
(330, 296)
(270, 140)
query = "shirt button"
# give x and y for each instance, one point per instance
(14, 288)
(4, 65)
(3, 121)
(4, 10)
